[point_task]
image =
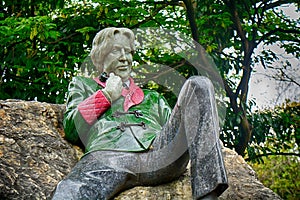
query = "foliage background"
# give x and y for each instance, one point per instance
(44, 42)
(281, 174)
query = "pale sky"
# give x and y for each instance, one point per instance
(266, 91)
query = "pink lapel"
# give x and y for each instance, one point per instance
(133, 96)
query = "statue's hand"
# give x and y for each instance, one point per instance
(113, 87)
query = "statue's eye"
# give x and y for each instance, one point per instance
(127, 50)
(114, 50)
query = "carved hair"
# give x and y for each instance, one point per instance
(102, 44)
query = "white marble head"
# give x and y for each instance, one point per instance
(112, 51)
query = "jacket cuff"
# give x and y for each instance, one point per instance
(93, 107)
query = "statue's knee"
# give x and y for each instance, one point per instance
(200, 86)
(200, 82)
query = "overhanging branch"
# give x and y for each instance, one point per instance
(277, 30)
(151, 17)
(277, 3)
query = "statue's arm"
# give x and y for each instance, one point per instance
(85, 103)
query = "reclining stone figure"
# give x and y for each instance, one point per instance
(131, 135)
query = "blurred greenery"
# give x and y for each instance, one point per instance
(281, 174)
(274, 149)
(276, 132)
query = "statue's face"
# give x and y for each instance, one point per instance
(119, 59)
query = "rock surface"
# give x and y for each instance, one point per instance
(34, 157)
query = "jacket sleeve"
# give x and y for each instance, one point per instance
(84, 105)
(93, 107)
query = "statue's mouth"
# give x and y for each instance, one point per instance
(123, 68)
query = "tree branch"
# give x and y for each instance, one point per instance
(271, 32)
(247, 46)
(151, 17)
(61, 39)
(277, 3)
(165, 2)
(284, 77)
(191, 18)
(282, 18)
(237, 21)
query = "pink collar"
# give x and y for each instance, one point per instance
(133, 96)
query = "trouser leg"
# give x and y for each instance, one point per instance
(193, 127)
(102, 174)
(201, 125)
(93, 179)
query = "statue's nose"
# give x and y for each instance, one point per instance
(123, 55)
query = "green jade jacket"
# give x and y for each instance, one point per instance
(130, 124)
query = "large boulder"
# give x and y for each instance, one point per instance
(34, 156)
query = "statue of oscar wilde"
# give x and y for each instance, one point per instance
(131, 135)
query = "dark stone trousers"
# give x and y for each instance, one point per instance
(192, 133)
